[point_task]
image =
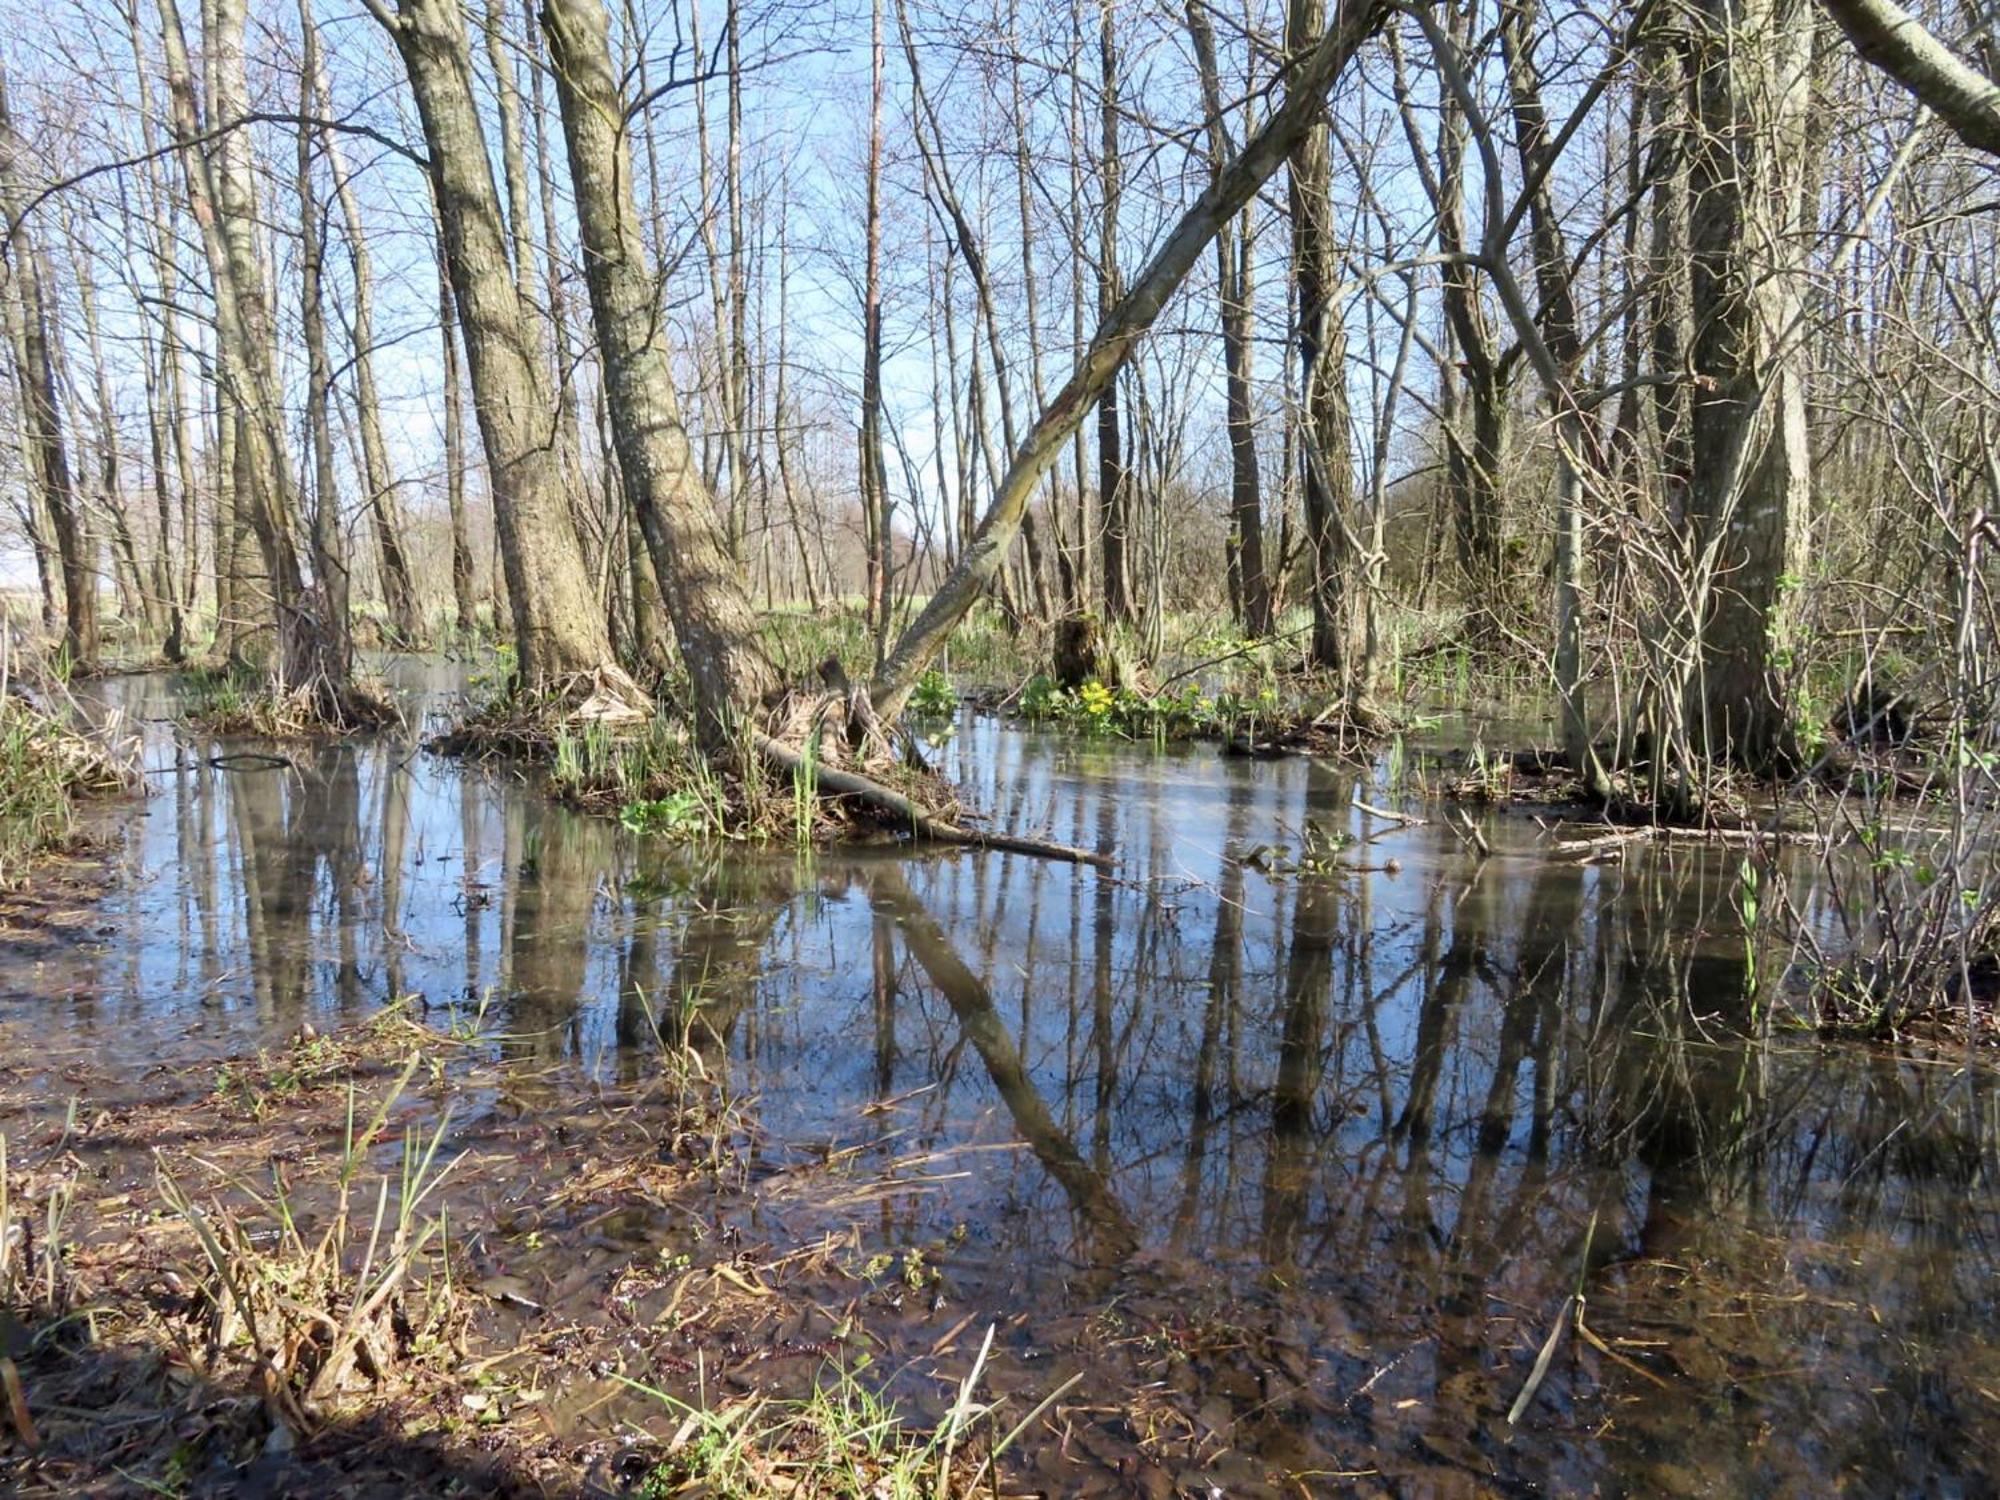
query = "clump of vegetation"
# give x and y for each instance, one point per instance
(233, 700)
(47, 768)
(934, 697)
(311, 1314)
(1093, 707)
(843, 1438)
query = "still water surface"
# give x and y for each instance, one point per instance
(1302, 1168)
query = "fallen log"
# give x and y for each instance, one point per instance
(906, 811)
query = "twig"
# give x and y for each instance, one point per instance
(1469, 834)
(1406, 819)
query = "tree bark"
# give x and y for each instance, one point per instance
(328, 539)
(1311, 74)
(1328, 479)
(1896, 42)
(559, 632)
(1232, 270)
(222, 193)
(1750, 186)
(1113, 484)
(464, 582)
(399, 590)
(714, 621)
(41, 408)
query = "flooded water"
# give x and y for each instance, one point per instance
(1299, 1169)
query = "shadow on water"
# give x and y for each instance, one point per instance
(1307, 1165)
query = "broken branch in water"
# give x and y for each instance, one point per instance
(1406, 819)
(1469, 834)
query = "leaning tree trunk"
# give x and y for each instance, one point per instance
(40, 405)
(559, 631)
(1749, 185)
(1312, 73)
(705, 595)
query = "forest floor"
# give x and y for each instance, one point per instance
(254, 1277)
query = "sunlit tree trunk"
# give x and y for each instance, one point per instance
(1113, 484)
(1328, 478)
(1233, 272)
(329, 544)
(1750, 184)
(559, 632)
(714, 621)
(311, 651)
(464, 583)
(1313, 73)
(874, 471)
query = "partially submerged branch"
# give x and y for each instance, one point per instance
(890, 803)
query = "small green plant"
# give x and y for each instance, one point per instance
(845, 1438)
(679, 815)
(934, 697)
(1748, 904)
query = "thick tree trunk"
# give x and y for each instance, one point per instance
(714, 622)
(1328, 478)
(559, 632)
(1750, 186)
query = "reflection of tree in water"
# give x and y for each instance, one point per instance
(1105, 1222)
(1563, 1078)
(298, 848)
(556, 859)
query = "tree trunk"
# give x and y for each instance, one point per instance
(328, 537)
(1328, 478)
(1113, 485)
(40, 404)
(874, 471)
(1750, 187)
(1232, 269)
(222, 192)
(1117, 335)
(714, 622)
(559, 633)
(464, 583)
(399, 591)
